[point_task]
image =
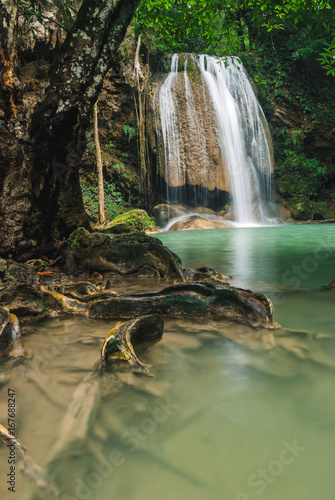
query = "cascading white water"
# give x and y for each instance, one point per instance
(196, 128)
(242, 135)
(240, 127)
(168, 118)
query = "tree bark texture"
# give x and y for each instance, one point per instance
(9, 83)
(57, 132)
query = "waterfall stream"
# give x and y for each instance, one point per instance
(215, 139)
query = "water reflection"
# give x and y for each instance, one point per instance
(226, 399)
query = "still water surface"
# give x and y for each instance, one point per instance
(243, 419)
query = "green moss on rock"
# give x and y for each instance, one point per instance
(134, 220)
(3, 266)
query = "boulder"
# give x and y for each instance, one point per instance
(204, 210)
(190, 300)
(24, 274)
(39, 265)
(134, 220)
(196, 222)
(227, 213)
(164, 212)
(23, 300)
(207, 274)
(125, 254)
(10, 334)
(187, 300)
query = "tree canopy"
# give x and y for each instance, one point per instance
(215, 26)
(223, 26)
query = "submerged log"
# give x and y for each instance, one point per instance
(118, 344)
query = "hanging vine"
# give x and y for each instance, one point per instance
(141, 77)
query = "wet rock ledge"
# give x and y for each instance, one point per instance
(35, 290)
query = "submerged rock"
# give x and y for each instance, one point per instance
(134, 220)
(124, 254)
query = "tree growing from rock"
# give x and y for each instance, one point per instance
(41, 198)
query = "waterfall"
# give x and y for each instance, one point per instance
(215, 137)
(169, 123)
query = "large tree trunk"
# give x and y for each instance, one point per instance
(52, 206)
(9, 83)
(15, 182)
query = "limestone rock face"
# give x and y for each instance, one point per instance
(134, 220)
(199, 144)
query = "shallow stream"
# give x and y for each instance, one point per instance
(243, 419)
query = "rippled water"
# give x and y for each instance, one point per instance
(232, 412)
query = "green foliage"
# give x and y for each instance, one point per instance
(286, 70)
(188, 25)
(73, 240)
(129, 131)
(118, 167)
(114, 201)
(222, 27)
(109, 146)
(293, 88)
(90, 145)
(134, 220)
(327, 58)
(301, 180)
(299, 175)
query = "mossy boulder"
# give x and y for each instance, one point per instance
(3, 271)
(23, 300)
(3, 266)
(207, 274)
(124, 254)
(191, 300)
(23, 273)
(134, 220)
